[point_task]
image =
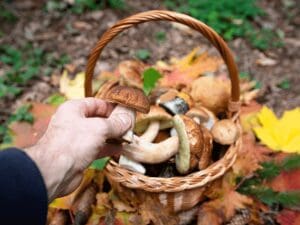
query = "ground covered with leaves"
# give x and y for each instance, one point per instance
(45, 44)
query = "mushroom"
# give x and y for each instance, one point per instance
(190, 143)
(130, 73)
(211, 92)
(175, 102)
(134, 99)
(146, 152)
(131, 165)
(225, 132)
(206, 153)
(151, 123)
(202, 116)
(104, 89)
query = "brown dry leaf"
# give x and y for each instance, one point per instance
(59, 218)
(67, 201)
(250, 156)
(24, 134)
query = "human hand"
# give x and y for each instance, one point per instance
(74, 138)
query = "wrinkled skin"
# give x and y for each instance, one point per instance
(74, 138)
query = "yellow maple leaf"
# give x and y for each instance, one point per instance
(72, 88)
(279, 134)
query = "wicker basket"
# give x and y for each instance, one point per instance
(170, 191)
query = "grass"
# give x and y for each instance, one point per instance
(231, 19)
(22, 65)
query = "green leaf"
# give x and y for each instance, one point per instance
(160, 36)
(258, 85)
(142, 54)
(244, 75)
(150, 78)
(99, 164)
(291, 162)
(56, 99)
(269, 170)
(285, 84)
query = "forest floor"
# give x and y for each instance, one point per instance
(65, 33)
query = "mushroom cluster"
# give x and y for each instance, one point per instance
(173, 130)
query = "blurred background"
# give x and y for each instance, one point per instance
(38, 39)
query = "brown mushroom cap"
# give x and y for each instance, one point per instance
(225, 132)
(131, 73)
(129, 97)
(205, 159)
(156, 113)
(190, 143)
(104, 89)
(205, 116)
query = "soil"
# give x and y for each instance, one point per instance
(75, 35)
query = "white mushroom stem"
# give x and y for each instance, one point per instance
(151, 132)
(131, 165)
(146, 152)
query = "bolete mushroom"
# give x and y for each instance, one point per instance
(134, 99)
(147, 152)
(190, 143)
(206, 153)
(104, 89)
(131, 165)
(152, 122)
(131, 73)
(202, 116)
(211, 92)
(175, 102)
(225, 132)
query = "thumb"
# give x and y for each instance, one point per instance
(120, 120)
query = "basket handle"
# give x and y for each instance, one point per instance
(155, 15)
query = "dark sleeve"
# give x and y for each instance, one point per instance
(23, 195)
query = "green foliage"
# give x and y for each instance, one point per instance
(80, 6)
(143, 54)
(24, 64)
(21, 114)
(285, 84)
(230, 18)
(244, 75)
(56, 99)
(6, 14)
(99, 164)
(254, 186)
(160, 36)
(150, 78)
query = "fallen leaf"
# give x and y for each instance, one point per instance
(184, 71)
(286, 181)
(24, 134)
(72, 88)
(250, 155)
(279, 134)
(265, 61)
(67, 201)
(288, 217)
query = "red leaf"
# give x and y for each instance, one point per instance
(288, 217)
(287, 181)
(25, 134)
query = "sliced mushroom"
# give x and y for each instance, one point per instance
(225, 132)
(190, 143)
(146, 152)
(156, 119)
(203, 116)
